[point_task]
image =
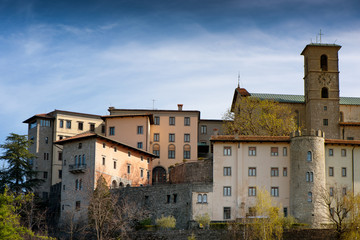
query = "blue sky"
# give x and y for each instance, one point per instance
(85, 56)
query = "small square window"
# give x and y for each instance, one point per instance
(227, 151)
(274, 151)
(140, 145)
(325, 122)
(186, 121)
(252, 151)
(171, 120)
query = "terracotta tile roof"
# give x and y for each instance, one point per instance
(150, 115)
(51, 115)
(246, 138)
(340, 141)
(42, 115)
(349, 123)
(243, 92)
(94, 135)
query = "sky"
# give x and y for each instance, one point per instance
(86, 56)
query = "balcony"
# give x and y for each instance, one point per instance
(77, 168)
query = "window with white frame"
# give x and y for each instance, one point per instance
(309, 176)
(227, 151)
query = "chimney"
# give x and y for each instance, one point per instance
(180, 107)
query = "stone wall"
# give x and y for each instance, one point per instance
(192, 172)
(165, 199)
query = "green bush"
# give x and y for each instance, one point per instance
(192, 237)
(166, 222)
(203, 220)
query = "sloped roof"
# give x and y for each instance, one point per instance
(247, 138)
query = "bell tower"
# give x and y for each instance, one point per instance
(321, 80)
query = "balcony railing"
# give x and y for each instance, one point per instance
(77, 168)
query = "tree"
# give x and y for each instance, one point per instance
(268, 223)
(166, 222)
(252, 116)
(18, 175)
(10, 227)
(343, 211)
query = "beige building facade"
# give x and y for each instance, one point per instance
(89, 156)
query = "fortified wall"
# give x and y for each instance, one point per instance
(192, 172)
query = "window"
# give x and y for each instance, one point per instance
(61, 123)
(284, 151)
(252, 191)
(203, 129)
(175, 197)
(156, 137)
(140, 129)
(227, 213)
(60, 156)
(140, 145)
(343, 152)
(80, 125)
(45, 123)
(114, 164)
(341, 116)
(331, 171)
(274, 151)
(324, 62)
(186, 137)
(171, 151)
(111, 131)
(186, 121)
(187, 151)
(252, 171)
(68, 124)
(309, 156)
(274, 172)
(171, 120)
(227, 171)
(274, 191)
(350, 138)
(227, 191)
(309, 197)
(343, 172)
(331, 191)
(252, 151)
(80, 184)
(80, 146)
(325, 122)
(60, 174)
(325, 108)
(204, 198)
(46, 156)
(115, 149)
(45, 175)
(104, 145)
(129, 169)
(331, 152)
(156, 150)
(46, 140)
(171, 137)
(129, 154)
(77, 205)
(157, 120)
(142, 173)
(227, 151)
(92, 127)
(103, 161)
(285, 211)
(309, 176)
(285, 172)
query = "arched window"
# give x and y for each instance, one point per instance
(204, 198)
(324, 93)
(114, 184)
(199, 198)
(76, 160)
(309, 196)
(80, 184)
(341, 116)
(83, 159)
(76, 184)
(324, 63)
(121, 184)
(187, 151)
(171, 151)
(156, 150)
(309, 156)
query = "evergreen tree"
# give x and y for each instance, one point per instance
(18, 175)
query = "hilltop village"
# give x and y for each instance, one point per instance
(175, 163)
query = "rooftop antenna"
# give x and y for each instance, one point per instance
(320, 34)
(239, 79)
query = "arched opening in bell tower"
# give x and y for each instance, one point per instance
(324, 62)
(324, 93)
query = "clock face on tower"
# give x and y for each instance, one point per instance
(325, 79)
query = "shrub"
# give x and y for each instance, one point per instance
(192, 237)
(203, 220)
(166, 222)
